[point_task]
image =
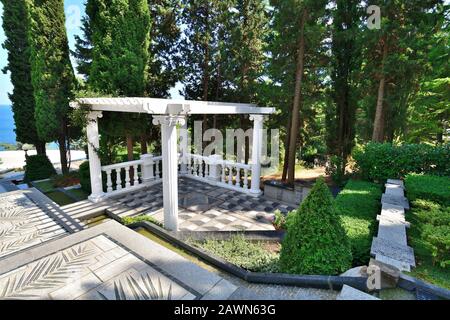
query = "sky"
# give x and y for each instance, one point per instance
(74, 10)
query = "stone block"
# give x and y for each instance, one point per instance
(349, 293)
(403, 255)
(389, 274)
(396, 182)
(395, 200)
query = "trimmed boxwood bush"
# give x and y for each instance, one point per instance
(315, 241)
(358, 205)
(85, 177)
(428, 187)
(382, 161)
(38, 167)
(438, 240)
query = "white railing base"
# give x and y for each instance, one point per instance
(132, 188)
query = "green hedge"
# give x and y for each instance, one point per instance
(358, 205)
(38, 167)
(427, 187)
(85, 177)
(382, 161)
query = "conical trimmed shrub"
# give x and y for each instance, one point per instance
(316, 242)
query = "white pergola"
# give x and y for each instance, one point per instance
(169, 113)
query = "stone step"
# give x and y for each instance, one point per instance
(394, 232)
(401, 253)
(394, 190)
(350, 293)
(395, 200)
(393, 211)
(393, 219)
(398, 264)
(396, 182)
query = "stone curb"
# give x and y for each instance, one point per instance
(306, 281)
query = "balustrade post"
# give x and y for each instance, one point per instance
(147, 168)
(214, 162)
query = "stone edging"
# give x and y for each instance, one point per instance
(307, 281)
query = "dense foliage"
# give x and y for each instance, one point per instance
(316, 242)
(245, 254)
(429, 235)
(428, 187)
(381, 161)
(85, 177)
(16, 26)
(38, 167)
(358, 205)
(51, 72)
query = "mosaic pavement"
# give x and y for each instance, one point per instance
(94, 269)
(203, 207)
(23, 224)
(107, 262)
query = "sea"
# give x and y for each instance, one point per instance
(7, 134)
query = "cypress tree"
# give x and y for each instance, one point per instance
(16, 25)
(52, 74)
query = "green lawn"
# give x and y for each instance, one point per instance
(359, 205)
(45, 186)
(78, 193)
(60, 198)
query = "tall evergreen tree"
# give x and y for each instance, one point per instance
(394, 61)
(120, 36)
(52, 73)
(164, 65)
(16, 26)
(298, 30)
(345, 64)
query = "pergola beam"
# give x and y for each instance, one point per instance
(168, 106)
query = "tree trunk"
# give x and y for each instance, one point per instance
(63, 154)
(144, 149)
(130, 154)
(378, 125)
(286, 150)
(40, 147)
(297, 101)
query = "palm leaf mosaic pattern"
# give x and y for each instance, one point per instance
(97, 268)
(23, 224)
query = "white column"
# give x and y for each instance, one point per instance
(258, 121)
(95, 166)
(184, 148)
(170, 167)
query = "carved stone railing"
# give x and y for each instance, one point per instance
(132, 175)
(216, 171)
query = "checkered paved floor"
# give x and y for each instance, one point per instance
(203, 207)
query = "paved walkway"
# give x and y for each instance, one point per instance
(203, 207)
(108, 261)
(390, 246)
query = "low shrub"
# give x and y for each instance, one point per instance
(428, 212)
(279, 221)
(245, 254)
(438, 239)
(358, 205)
(315, 241)
(66, 180)
(85, 177)
(38, 167)
(130, 220)
(336, 169)
(428, 187)
(382, 161)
